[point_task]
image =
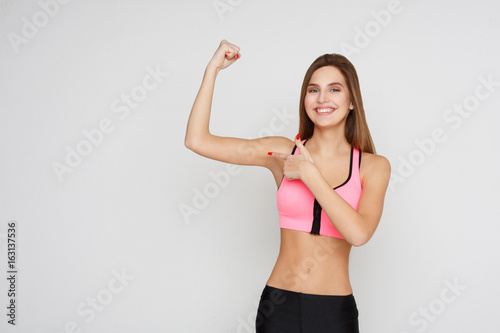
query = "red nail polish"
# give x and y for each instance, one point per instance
(269, 153)
(297, 137)
(237, 55)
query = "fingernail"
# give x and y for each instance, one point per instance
(237, 55)
(297, 137)
(269, 153)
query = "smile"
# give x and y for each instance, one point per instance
(324, 111)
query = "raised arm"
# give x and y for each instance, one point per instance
(227, 149)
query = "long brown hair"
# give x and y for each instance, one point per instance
(356, 128)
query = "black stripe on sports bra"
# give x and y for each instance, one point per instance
(316, 224)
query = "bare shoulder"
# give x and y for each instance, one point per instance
(374, 166)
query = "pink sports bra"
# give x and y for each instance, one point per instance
(299, 210)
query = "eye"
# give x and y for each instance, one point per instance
(313, 90)
(335, 89)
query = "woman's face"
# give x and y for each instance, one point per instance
(327, 99)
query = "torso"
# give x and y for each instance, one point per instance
(314, 264)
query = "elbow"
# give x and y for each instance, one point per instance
(192, 145)
(195, 138)
(196, 145)
(189, 144)
(358, 243)
(360, 239)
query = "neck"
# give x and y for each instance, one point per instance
(329, 141)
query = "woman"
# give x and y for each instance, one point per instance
(330, 195)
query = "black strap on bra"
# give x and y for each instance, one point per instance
(316, 218)
(316, 223)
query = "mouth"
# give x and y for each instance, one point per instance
(324, 111)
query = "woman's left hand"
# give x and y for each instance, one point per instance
(296, 166)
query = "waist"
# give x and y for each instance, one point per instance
(312, 264)
(283, 292)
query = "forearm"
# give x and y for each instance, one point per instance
(199, 119)
(347, 221)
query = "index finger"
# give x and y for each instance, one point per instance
(279, 155)
(303, 150)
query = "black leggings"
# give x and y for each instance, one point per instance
(285, 311)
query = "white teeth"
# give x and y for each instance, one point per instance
(324, 110)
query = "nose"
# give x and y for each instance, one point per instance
(323, 96)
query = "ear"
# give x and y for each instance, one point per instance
(351, 106)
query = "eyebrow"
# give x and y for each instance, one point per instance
(329, 84)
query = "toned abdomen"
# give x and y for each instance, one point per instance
(312, 264)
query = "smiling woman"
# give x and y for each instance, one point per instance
(330, 195)
(324, 99)
(344, 82)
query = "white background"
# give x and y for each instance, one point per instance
(119, 210)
